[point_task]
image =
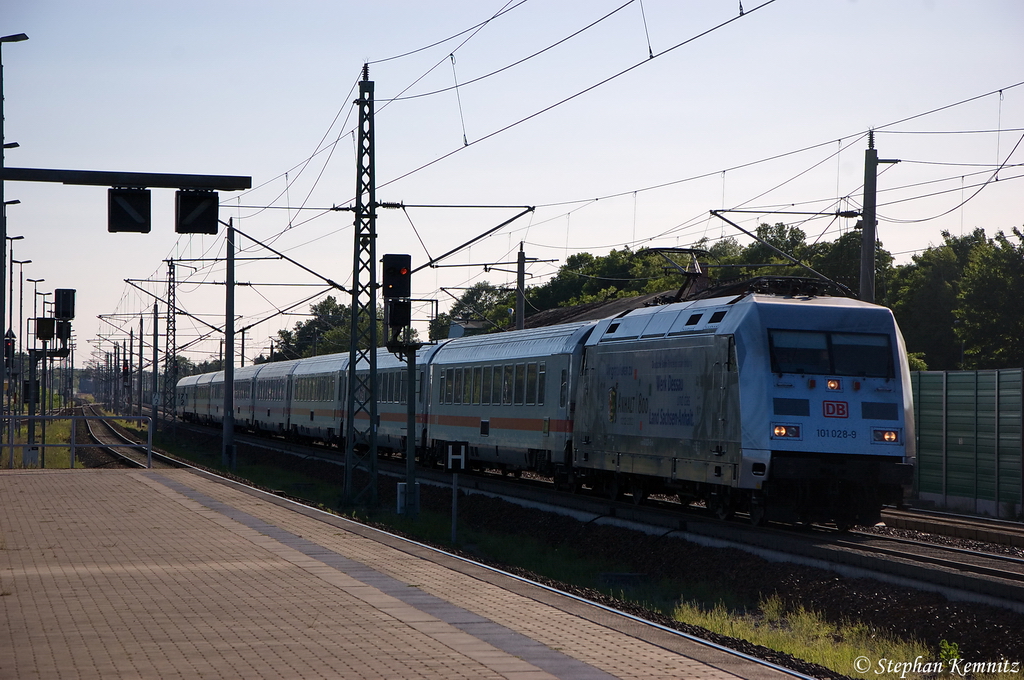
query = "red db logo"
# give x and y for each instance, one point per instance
(835, 409)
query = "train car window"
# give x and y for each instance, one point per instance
(477, 377)
(496, 385)
(541, 380)
(442, 383)
(862, 354)
(485, 386)
(458, 386)
(520, 385)
(507, 384)
(563, 389)
(716, 317)
(799, 352)
(531, 383)
(449, 386)
(694, 318)
(467, 387)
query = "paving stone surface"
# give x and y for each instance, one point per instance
(170, 574)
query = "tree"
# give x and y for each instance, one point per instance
(328, 331)
(991, 325)
(923, 296)
(483, 302)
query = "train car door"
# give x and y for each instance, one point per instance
(725, 383)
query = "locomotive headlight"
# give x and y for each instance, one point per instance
(885, 436)
(834, 384)
(786, 431)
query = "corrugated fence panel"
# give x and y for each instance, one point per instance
(969, 427)
(1011, 443)
(961, 462)
(929, 418)
(985, 436)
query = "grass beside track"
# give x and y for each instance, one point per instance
(57, 453)
(770, 623)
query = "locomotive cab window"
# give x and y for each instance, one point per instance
(820, 353)
(862, 354)
(799, 352)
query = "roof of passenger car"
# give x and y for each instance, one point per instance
(529, 343)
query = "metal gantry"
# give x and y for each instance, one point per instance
(169, 403)
(361, 438)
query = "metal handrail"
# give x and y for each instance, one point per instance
(11, 420)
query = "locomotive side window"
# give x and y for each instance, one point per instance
(862, 354)
(799, 352)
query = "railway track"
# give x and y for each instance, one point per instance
(120, 446)
(975, 572)
(979, 529)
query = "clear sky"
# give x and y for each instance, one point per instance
(764, 111)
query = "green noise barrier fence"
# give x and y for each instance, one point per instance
(969, 445)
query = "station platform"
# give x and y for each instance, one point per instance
(175, 574)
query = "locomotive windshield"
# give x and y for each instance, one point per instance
(866, 355)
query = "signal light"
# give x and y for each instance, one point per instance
(46, 328)
(397, 279)
(195, 212)
(9, 349)
(65, 303)
(398, 313)
(128, 210)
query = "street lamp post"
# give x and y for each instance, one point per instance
(33, 357)
(8, 403)
(17, 37)
(10, 279)
(21, 328)
(44, 384)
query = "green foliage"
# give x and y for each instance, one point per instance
(923, 296)
(956, 303)
(804, 634)
(482, 302)
(588, 278)
(328, 331)
(948, 651)
(989, 304)
(916, 361)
